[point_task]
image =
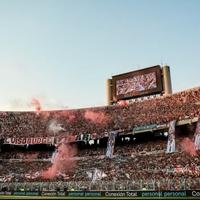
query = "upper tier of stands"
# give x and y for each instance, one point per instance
(161, 110)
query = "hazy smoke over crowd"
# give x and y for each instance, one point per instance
(28, 104)
(69, 116)
(55, 127)
(188, 146)
(62, 163)
(96, 117)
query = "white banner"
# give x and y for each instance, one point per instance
(171, 145)
(197, 136)
(31, 140)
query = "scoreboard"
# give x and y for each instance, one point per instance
(138, 83)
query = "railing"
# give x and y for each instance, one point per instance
(162, 184)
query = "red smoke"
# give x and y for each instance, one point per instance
(36, 104)
(96, 117)
(63, 162)
(188, 146)
(69, 116)
(123, 103)
(45, 114)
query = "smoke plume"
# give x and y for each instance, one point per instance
(63, 161)
(96, 117)
(69, 116)
(36, 104)
(55, 127)
(188, 146)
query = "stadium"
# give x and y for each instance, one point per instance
(144, 144)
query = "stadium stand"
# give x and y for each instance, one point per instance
(153, 111)
(136, 164)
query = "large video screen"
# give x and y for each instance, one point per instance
(137, 83)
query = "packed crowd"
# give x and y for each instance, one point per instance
(157, 168)
(102, 119)
(127, 150)
(145, 165)
(36, 155)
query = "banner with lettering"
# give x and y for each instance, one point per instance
(30, 140)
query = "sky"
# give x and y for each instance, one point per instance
(63, 51)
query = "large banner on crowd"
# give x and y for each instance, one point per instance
(30, 140)
(197, 136)
(110, 145)
(171, 147)
(95, 175)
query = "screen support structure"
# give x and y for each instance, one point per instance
(167, 80)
